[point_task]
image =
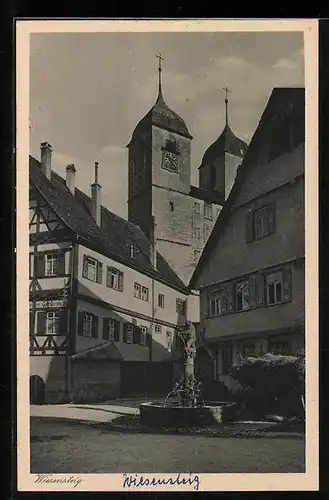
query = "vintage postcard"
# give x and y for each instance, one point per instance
(167, 274)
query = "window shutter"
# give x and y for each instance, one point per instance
(271, 217)
(99, 272)
(223, 300)
(117, 330)
(249, 227)
(105, 329)
(252, 291)
(40, 265)
(85, 266)
(95, 327)
(125, 332)
(136, 335)
(229, 297)
(286, 284)
(32, 315)
(260, 291)
(149, 337)
(120, 282)
(81, 318)
(63, 317)
(42, 316)
(61, 263)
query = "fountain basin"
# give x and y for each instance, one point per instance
(211, 413)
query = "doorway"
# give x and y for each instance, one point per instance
(37, 390)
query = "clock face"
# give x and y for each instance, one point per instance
(170, 161)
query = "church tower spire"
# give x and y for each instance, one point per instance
(159, 56)
(226, 105)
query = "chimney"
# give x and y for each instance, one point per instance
(96, 198)
(70, 178)
(46, 152)
(153, 243)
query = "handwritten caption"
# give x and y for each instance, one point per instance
(49, 479)
(135, 480)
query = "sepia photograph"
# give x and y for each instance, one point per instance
(165, 247)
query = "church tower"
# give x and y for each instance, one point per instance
(220, 162)
(159, 181)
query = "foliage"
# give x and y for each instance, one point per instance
(215, 390)
(271, 383)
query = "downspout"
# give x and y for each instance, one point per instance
(71, 318)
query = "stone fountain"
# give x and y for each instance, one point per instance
(184, 405)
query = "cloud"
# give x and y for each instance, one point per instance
(288, 64)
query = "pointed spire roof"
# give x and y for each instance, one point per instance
(161, 115)
(227, 142)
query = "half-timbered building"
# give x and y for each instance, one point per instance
(104, 304)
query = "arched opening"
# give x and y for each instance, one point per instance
(37, 390)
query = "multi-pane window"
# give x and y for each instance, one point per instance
(215, 304)
(206, 232)
(51, 264)
(280, 347)
(242, 295)
(114, 279)
(274, 288)
(196, 232)
(52, 322)
(92, 269)
(180, 306)
(137, 290)
(158, 329)
(196, 255)
(145, 293)
(129, 333)
(111, 329)
(143, 334)
(249, 349)
(260, 222)
(197, 207)
(169, 340)
(161, 300)
(88, 325)
(208, 210)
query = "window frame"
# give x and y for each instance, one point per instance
(90, 323)
(53, 257)
(137, 286)
(207, 211)
(197, 232)
(244, 282)
(129, 333)
(89, 259)
(158, 329)
(145, 293)
(52, 331)
(143, 335)
(114, 272)
(281, 283)
(180, 306)
(161, 302)
(197, 208)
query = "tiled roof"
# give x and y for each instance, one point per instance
(162, 116)
(227, 142)
(113, 351)
(114, 238)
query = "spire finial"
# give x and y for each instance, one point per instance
(96, 172)
(226, 104)
(159, 56)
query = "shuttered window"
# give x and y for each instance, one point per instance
(49, 264)
(92, 269)
(128, 333)
(114, 279)
(111, 329)
(260, 222)
(87, 325)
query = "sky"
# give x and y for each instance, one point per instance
(88, 91)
